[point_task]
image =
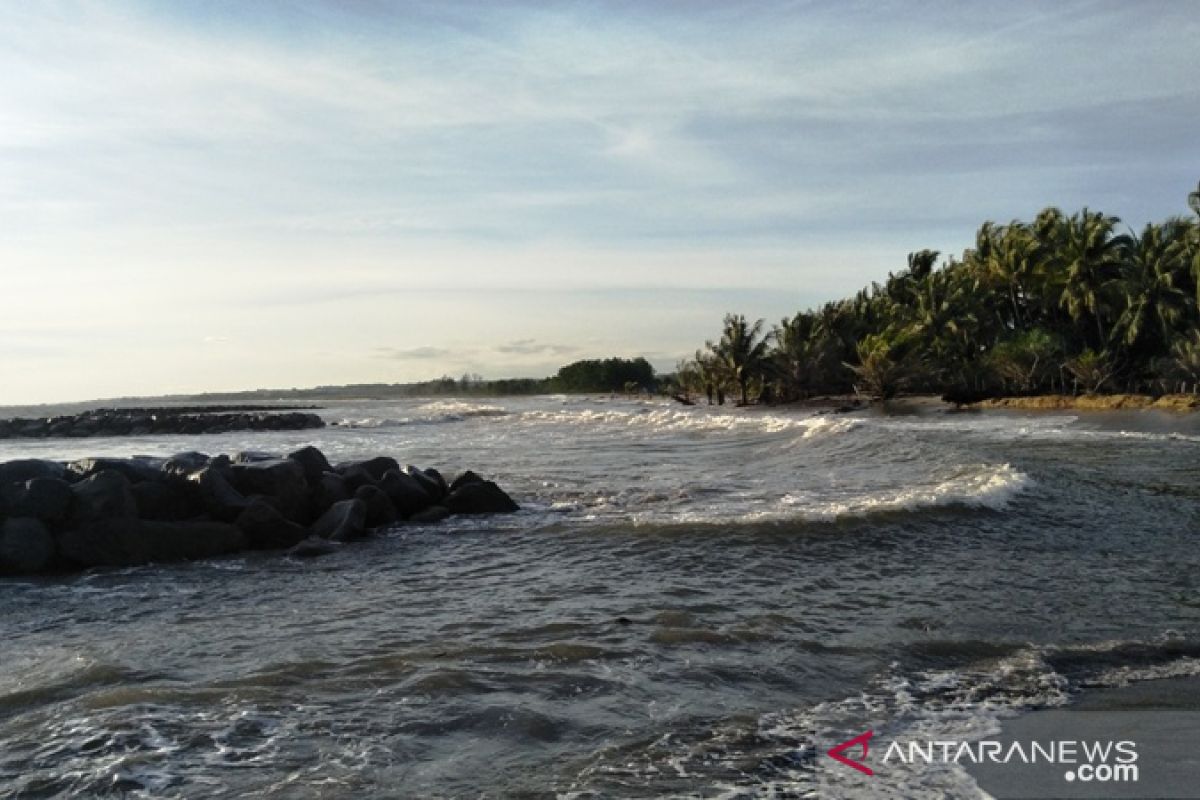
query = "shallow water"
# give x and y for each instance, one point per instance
(693, 603)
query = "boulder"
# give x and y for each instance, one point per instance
(135, 469)
(343, 521)
(431, 514)
(266, 529)
(168, 499)
(406, 492)
(484, 497)
(380, 510)
(355, 477)
(47, 499)
(313, 462)
(104, 495)
(464, 479)
(281, 479)
(433, 485)
(26, 469)
(25, 546)
(127, 542)
(219, 499)
(375, 467)
(330, 488)
(313, 547)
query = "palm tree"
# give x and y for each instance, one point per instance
(1194, 200)
(1088, 256)
(1154, 302)
(742, 351)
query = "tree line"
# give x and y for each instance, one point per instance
(1062, 304)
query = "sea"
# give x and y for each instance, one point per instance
(693, 602)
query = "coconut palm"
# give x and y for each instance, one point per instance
(1154, 302)
(742, 351)
(1088, 256)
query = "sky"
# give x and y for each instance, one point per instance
(203, 196)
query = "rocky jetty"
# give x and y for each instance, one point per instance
(57, 516)
(148, 421)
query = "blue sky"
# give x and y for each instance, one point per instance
(204, 196)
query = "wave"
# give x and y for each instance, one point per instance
(435, 413)
(673, 420)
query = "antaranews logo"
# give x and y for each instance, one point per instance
(1085, 761)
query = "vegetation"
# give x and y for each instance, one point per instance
(1065, 303)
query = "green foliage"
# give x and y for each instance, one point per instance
(1064, 301)
(605, 375)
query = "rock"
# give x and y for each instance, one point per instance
(220, 500)
(329, 489)
(406, 492)
(480, 498)
(433, 486)
(343, 522)
(168, 500)
(127, 542)
(431, 514)
(375, 467)
(105, 495)
(355, 477)
(313, 547)
(135, 469)
(266, 529)
(380, 510)
(47, 499)
(281, 479)
(25, 546)
(26, 469)
(313, 462)
(464, 479)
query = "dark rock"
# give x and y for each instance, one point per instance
(480, 498)
(406, 492)
(380, 510)
(105, 495)
(375, 467)
(313, 462)
(464, 479)
(431, 514)
(25, 546)
(219, 498)
(135, 469)
(281, 479)
(26, 469)
(355, 477)
(127, 542)
(266, 529)
(47, 499)
(313, 547)
(168, 500)
(343, 522)
(330, 488)
(435, 488)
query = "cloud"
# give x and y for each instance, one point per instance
(528, 347)
(412, 353)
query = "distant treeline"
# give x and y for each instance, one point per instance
(1065, 303)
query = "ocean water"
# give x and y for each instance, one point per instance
(693, 602)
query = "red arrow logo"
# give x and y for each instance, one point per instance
(858, 741)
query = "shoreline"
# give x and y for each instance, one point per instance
(1096, 402)
(1161, 716)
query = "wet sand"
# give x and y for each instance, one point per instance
(1162, 718)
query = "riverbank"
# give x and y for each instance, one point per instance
(1094, 402)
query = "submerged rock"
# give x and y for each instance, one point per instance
(484, 497)
(343, 521)
(431, 514)
(314, 547)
